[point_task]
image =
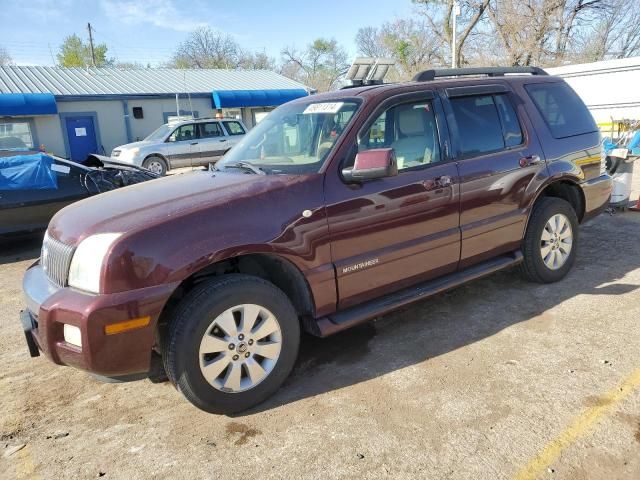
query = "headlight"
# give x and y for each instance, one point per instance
(86, 264)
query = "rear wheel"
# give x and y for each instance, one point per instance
(156, 164)
(551, 241)
(232, 343)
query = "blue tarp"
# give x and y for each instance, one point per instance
(255, 98)
(27, 104)
(27, 172)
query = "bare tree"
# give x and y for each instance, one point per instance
(438, 14)
(319, 66)
(370, 43)
(206, 48)
(535, 32)
(5, 58)
(613, 33)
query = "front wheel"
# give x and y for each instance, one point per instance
(156, 164)
(232, 343)
(551, 240)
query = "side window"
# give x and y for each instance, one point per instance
(479, 126)
(183, 133)
(210, 130)
(234, 128)
(511, 129)
(563, 111)
(410, 129)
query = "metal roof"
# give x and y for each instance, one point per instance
(143, 81)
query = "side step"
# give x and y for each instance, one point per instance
(361, 313)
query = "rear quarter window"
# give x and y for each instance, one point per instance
(562, 110)
(234, 128)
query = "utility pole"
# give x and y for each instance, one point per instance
(454, 13)
(93, 55)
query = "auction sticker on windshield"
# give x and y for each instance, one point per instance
(329, 107)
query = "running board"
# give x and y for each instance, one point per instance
(350, 317)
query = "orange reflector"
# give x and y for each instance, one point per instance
(128, 325)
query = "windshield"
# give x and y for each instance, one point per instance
(293, 139)
(160, 133)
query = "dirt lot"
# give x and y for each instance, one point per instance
(497, 379)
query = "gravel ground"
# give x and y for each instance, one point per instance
(497, 379)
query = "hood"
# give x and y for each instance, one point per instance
(140, 144)
(143, 205)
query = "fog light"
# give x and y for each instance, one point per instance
(72, 335)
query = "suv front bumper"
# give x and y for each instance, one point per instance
(50, 307)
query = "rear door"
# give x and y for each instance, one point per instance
(213, 142)
(393, 232)
(498, 162)
(183, 147)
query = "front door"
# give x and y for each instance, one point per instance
(390, 233)
(498, 161)
(81, 134)
(183, 149)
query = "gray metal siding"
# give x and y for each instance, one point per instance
(157, 81)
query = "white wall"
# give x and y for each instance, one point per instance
(610, 88)
(49, 134)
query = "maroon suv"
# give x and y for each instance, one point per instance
(335, 209)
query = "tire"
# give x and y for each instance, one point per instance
(540, 263)
(156, 164)
(198, 319)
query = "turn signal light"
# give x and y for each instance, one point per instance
(126, 325)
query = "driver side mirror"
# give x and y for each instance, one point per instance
(372, 164)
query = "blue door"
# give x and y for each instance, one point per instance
(81, 133)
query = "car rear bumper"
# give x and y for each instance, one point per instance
(50, 307)
(597, 193)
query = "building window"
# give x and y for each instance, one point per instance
(232, 113)
(16, 134)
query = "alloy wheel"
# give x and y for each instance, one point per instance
(240, 348)
(556, 241)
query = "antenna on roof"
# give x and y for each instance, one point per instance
(369, 70)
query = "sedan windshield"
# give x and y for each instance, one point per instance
(293, 139)
(160, 133)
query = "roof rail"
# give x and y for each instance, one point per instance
(428, 75)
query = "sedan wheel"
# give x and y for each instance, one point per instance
(155, 164)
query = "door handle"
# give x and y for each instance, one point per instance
(194, 143)
(437, 183)
(223, 140)
(443, 181)
(529, 160)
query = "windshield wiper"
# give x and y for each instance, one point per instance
(246, 166)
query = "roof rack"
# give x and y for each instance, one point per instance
(428, 75)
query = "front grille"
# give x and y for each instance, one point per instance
(56, 259)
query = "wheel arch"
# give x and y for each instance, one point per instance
(565, 188)
(271, 267)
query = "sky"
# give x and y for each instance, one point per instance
(148, 31)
